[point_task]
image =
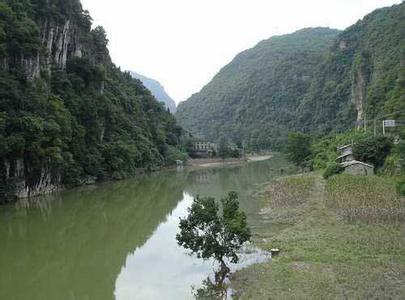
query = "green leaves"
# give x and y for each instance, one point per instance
(373, 150)
(88, 120)
(298, 148)
(210, 233)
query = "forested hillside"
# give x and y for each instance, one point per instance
(157, 90)
(363, 76)
(314, 80)
(254, 98)
(68, 115)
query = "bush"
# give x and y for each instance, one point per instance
(298, 148)
(373, 150)
(174, 154)
(332, 169)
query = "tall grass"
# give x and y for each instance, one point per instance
(290, 191)
(369, 199)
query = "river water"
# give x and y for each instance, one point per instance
(116, 240)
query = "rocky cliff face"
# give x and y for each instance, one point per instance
(67, 113)
(59, 41)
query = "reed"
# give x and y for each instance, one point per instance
(289, 191)
(368, 199)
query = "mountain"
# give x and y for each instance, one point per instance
(314, 80)
(254, 98)
(68, 115)
(363, 76)
(158, 91)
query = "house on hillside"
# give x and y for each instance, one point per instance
(350, 164)
(356, 167)
(346, 153)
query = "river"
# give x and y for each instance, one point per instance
(116, 240)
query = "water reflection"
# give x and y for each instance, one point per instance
(160, 269)
(114, 240)
(73, 246)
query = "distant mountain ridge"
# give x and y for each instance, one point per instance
(157, 90)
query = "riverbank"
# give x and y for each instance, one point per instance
(342, 238)
(218, 162)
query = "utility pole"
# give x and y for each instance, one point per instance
(365, 123)
(383, 128)
(375, 127)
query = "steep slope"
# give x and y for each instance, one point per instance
(67, 113)
(254, 98)
(363, 76)
(157, 90)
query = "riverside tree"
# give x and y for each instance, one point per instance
(211, 233)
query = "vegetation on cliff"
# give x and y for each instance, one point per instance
(67, 113)
(363, 76)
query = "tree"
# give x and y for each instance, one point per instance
(223, 148)
(373, 150)
(298, 148)
(211, 233)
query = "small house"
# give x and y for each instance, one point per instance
(350, 164)
(356, 167)
(346, 153)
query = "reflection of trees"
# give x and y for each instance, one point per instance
(75, 248)
(211, 291)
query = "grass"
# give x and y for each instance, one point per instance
(341, 239)
(367, 199)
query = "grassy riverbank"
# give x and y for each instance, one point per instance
(344, 238)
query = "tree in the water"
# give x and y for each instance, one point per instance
(210, 232)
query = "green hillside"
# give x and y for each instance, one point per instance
(67, 113)
(254, 98)
(363, 76)
(314, 80)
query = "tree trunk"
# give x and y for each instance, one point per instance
(222, 273)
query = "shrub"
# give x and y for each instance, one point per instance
(332, 169)
(298, 148)
(174, 154)
(373, 150)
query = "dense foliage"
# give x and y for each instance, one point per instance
(213, 233)
(314, 81)
(373, 150)
(332, 169)
(68, 110)
(253, 99)
(157, 90)
(363, 76)
(298, 148)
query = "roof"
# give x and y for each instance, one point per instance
(344, 155)
(355, 162)
(345, 146)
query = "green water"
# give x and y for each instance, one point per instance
(114, 240)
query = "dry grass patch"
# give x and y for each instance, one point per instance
(285, 198)
(366, 199)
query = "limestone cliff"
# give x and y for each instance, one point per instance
(68, 115)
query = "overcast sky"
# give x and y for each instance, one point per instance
(184, 43)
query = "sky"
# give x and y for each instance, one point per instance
(184, 43)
